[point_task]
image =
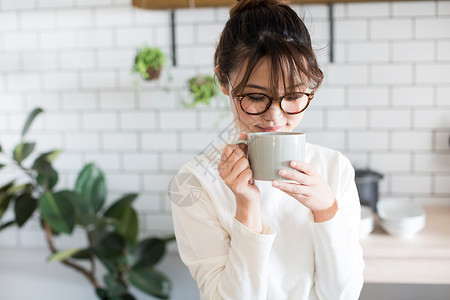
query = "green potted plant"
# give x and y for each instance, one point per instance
(202, 89)
(112, 231)
(148, 62)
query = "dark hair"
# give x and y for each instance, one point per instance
(267, 29)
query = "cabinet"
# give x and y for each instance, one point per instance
(424, 258)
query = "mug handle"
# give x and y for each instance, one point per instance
(245, 142)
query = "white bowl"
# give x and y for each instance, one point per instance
(402, 224)
(400, 210)
(402, 218)
(402, 232)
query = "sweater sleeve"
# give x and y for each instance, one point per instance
(338, 253)
(227, 264)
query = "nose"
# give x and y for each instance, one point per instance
(274, 112)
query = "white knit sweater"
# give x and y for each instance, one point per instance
(294, 258)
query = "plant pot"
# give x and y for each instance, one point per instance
(153, 73)
(367, 185)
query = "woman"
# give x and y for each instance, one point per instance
(243, 239)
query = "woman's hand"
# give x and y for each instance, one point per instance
(234, 168)
(309, 189)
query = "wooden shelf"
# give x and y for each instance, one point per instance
(424, 258)
(173, 4)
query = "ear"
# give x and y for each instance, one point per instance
(220, 75)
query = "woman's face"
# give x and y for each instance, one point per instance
(273, 119)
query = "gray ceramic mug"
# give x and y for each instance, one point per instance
(269, 152)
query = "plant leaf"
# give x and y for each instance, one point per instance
(33, 114)
(115, 287)
(101, 293)
(127, 297)
(149, 252)
(129, 224)
(1, 166)
(91, 185)
(63, 254)
(83, 254)
(123, 212)
(86, 219)
(52, 155)
(151, 282)
(110, 244)
(17, 188)
(58, 210)
(6, 187)
(22, 151)
(108, 263)
(109, 249)
(6, 194)
(115, 209)
(6, 225)
(48, 156)
(4, 203)
(47, 175)
(24, 207)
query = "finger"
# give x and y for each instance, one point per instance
(302, 167)
(295, 175)
(226, 165)
(243, 136)
(226, 152)
(239, 167)
(243, 180)
(292, 189)
(235, 156)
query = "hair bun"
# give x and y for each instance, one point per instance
(243, 5)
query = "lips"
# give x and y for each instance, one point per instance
(272, 128)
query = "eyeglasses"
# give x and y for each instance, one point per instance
(259, 103)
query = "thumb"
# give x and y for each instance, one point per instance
(243, 136)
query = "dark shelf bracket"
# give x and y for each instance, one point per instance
(331, 28)
(173, 45)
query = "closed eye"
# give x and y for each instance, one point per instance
(256, 97)
(294, 96)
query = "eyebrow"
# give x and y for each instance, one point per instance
(256, 86)
(266, 89)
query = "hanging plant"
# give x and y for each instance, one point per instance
(202, 88)
(148, 62)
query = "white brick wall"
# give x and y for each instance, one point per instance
(391, 29)
(412, 96)
(368, 10)
(351, 29)
(419, 8)
(39, 61)
(368, 97)
(385, 101)
(394, 118)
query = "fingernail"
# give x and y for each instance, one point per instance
(275, 183)
(293, 164)
(283, 172)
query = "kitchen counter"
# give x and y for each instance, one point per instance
(423, 258)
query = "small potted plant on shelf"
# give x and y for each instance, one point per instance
(148, 62)
(202, 89)
(112, 230)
